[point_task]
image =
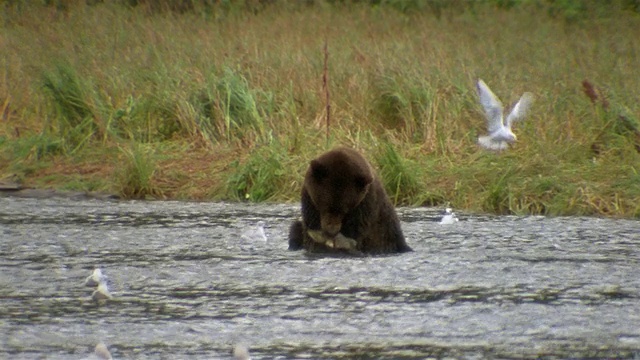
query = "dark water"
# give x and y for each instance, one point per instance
(187, 286)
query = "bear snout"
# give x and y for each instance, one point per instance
(331, 225)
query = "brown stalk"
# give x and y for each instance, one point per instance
(594, 93)
(325, 87)
(590, 91)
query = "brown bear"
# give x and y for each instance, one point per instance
(345, 209)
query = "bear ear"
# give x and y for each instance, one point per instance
(318, 171)
(362, 181)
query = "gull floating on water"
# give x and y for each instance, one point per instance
(101, 293)
(449, 217)
(241, 352)
(100, 353)
(500, 134)
(95, 279)
(255, 234)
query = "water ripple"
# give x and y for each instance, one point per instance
(185, 284)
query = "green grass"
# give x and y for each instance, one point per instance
(400, 177)
(261, 176)
(135, 171)
(225, 101)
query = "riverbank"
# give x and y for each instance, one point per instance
(228, 104)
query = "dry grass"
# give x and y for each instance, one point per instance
(213, 93)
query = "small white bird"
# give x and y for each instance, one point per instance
(255, 234)
(102, 352)
(500, 134)
(101, 293)
(241, 352)
(449, 217)
(95, 279)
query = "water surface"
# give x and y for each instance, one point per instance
(187, 285)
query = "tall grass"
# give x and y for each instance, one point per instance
(238, 86)
(399, 176)
(135, 171)
(74, 118)
(261, 177)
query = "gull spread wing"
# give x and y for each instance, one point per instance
(520, 109)
(492, 106)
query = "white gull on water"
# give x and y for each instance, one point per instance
(255, 234)
(95, 279)
(449, 217)
(101, 293)
(100, 353)
(241, 352)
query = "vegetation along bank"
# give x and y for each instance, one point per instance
(224, 100)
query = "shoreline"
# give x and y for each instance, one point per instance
(11, 189)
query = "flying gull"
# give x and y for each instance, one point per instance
(500, 134)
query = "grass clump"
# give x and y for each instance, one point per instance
(238, 105)
(74, 119)
(399, 176)
(402, 101)
(135, 173)
(143, 119)
(225, 109)
(260, 177)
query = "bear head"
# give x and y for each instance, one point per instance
(337, 182)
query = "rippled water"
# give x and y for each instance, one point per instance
(186, 285)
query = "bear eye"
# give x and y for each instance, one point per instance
(361, 182)
(318, 171)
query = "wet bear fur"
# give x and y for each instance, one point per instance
(342, 194)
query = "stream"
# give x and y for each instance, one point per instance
(186, 284)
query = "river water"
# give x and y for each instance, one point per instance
(187, 285)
